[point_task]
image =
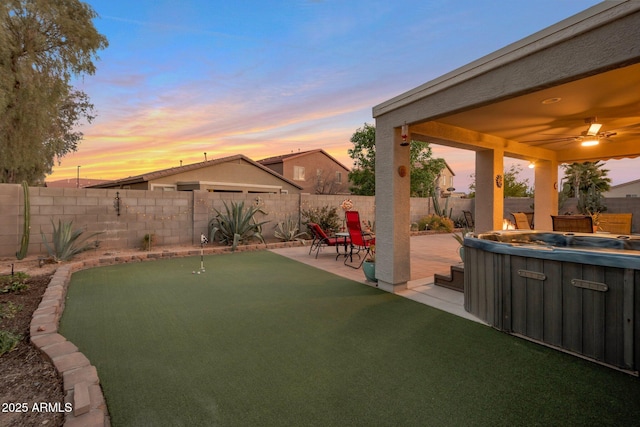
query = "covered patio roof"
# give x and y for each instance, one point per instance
(532, 100)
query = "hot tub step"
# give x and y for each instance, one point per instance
(455, 281)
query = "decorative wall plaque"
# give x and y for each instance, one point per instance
(588, 284)
(531, 275)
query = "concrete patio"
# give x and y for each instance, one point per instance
(430, 254)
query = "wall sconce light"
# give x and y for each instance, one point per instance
(405, 134)
(116, 203)
(532, 165)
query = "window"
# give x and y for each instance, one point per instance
(338, 177)
(298, 173)
(163, 187)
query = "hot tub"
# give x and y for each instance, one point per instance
(572, 291)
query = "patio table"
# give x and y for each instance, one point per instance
(345, 237)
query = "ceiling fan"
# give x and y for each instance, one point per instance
(590, 136)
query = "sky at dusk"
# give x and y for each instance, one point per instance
(267, 78)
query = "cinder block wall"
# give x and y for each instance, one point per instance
(274, 208)
(174, 218)
(421, 207)
(168, 215)
(178, 218)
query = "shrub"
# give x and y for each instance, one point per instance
(8, 341)
(287, 230)
(9, 310)
(326, 217)
(14, 283)
(460, 222)
(148, 241)
(236, 225)
(65, 242)
(435, 222)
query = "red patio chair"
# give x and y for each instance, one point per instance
(360, 241)
(320, 239)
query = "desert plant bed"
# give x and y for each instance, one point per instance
(27, 377)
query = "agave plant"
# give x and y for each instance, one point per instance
(236, 225)
(66, 243)
(287, 230)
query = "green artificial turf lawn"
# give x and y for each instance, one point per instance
(260, 340)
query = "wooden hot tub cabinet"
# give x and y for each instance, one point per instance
(575, 292)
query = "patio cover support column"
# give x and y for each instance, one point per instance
(393, 264)
(489, 190)
(546, 194)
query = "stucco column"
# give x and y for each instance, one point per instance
(546, 193)
(489, 203)
(393, 264)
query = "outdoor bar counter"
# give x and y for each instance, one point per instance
(576, 292)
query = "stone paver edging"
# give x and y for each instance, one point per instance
(83, 393)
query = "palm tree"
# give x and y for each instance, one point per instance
(586, 181)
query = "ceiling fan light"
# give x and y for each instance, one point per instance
(590, 142)
(594, 128)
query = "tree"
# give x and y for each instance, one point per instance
(326, 182)
(579, 177)
(363, 176)
(513, 186)
(423, 170)
(586, 181)
(44, 44)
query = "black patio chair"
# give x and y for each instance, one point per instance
(468, 218)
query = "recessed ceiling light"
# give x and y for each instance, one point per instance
(551, 100)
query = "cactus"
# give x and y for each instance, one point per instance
(436, 206)
(591, 201)
(24, 245)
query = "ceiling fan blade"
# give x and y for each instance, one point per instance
(553, 140)
(606, 135)
(625, 129)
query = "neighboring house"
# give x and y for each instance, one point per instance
(627, 189)
(315, 171)
(74, 183)
(445, 180)
(234, 174)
